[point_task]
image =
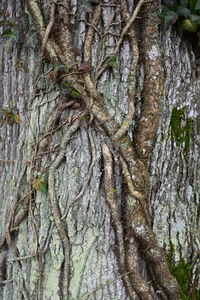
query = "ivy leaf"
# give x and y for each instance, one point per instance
(8, 34)
(197, 5)
(189, 25)
(43, 187)
(39, 184)
(183, 11)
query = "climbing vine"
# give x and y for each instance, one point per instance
(76, 82)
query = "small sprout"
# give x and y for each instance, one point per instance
(111, 61)
(39, 184)
(7, 34)
(19, 65)
(10, 117)
(75, 93)
(85, 118)
(85, 121)
(112, 191)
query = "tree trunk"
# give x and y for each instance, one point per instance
(99, 153)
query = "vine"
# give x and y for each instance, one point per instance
(77, 85)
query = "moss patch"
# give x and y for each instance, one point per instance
(180, 129)
(183, 271)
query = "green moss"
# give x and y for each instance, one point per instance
(180, 129)
(183, 272)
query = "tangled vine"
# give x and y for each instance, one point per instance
(134, 236)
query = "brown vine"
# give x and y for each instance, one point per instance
(135, 239)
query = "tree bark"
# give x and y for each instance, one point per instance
(99, 151)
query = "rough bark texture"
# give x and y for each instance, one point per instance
(70, 242)
(174, 167)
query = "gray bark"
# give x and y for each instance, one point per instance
(174, 174)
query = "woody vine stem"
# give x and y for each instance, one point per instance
(135, 238)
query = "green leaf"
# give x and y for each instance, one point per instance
(7, 34)
(183, 11)
(43, 187)
(39, 184)
(111, 61)
(189, 25)
(75, 93)
(11, 117)
(197, 5)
